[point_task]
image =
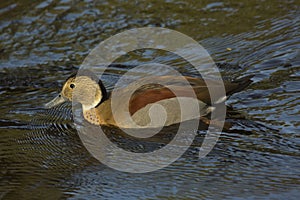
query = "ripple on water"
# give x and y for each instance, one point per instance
(41, 153)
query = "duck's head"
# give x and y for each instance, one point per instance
(85, 88)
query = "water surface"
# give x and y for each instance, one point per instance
(42, 42)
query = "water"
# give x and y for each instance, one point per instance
(42, 42)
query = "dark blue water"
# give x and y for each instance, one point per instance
(42, 42)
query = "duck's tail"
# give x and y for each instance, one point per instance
(238, 85)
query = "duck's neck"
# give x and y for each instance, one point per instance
(91, 116)
(98, 115)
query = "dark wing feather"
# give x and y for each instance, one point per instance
(151, 93)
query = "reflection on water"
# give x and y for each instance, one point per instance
(41, 153)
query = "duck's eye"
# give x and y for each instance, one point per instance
(72, 85)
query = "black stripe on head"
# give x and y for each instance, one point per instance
(73, 75)
(103, 91)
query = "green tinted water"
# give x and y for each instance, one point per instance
(42, 42)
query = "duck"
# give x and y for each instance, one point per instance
(150, 105)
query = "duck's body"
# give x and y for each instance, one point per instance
(146, 103)
(102, 115)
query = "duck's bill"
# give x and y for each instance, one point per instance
(56, 101)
